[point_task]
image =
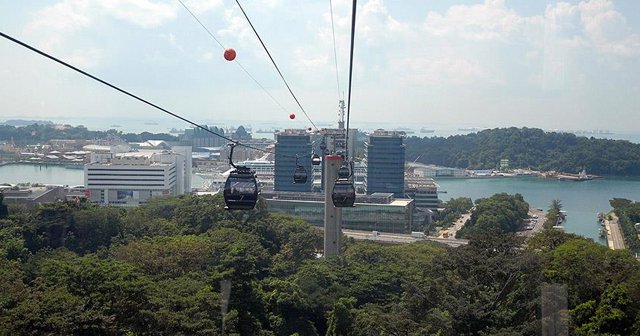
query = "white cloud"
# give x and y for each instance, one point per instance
(84, 58)
(608, 29)
(143, 13)
(55, 24)
(375, 25)
(63, 16)
(69, 15)
(202, 6)
(237, 28)
(491, 20)
(592, 24)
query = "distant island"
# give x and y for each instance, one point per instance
(528, 148)
(40, 133)
(24, 122)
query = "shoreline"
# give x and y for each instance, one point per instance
(45, 164)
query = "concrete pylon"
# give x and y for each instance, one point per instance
(332, 215)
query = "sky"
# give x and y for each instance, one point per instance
(493, 63)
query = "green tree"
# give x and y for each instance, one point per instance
(341, 318)
(4, 212)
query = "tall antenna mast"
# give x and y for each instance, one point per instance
(341, 113)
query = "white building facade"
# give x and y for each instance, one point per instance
(132, 178)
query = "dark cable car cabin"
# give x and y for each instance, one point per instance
(241, 187)
(241, 190)
(300, 175)
(343, 194)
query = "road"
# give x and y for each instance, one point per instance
(451, 231)
(399, 238)
(614, 235)
(538, 227)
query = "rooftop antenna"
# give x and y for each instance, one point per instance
(341, 106)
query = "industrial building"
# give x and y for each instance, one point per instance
(376, 212)
(423, 190)
(131, 178)
(32, 196)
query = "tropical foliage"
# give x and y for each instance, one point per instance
(77, 269)
(528, 148)
(41, 133)
(628, 213)
(498, 214)
(453, 209)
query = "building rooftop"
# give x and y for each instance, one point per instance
(419, 182)
(374, 199)
(385, 133)
(293, 131)
(133, 164)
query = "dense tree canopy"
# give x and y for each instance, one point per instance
(628, 213)
(528, 148)
(159, 269)
(498, 214)
(453, 209)
(41, 133)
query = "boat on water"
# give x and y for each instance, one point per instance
(114, 125)
(603, 232)
(426, 130)
(593, 132)
(405, 130)
(561, 217)
(582, 176)
(151, 123)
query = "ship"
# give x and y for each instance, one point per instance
(603, 232)
(404, 130)
(582, 176)
(426, 130)
(469, 129)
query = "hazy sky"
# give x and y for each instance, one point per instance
(564, 65)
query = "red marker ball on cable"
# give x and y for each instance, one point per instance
(292, 116)
(309, 129)
(230, 54)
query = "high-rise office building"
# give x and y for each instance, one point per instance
(385, 154)
(289, 143)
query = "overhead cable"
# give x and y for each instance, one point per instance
(53, 58)
(275, 65)
(335, 52)
(353, 34)
(236, 60)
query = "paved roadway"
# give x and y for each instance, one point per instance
(614, 235)
(542, 217)
(456, 226)
(399, 238)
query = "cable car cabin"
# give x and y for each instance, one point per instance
(344, 193)
(300, 175)
(241, 190)
(315, 160)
